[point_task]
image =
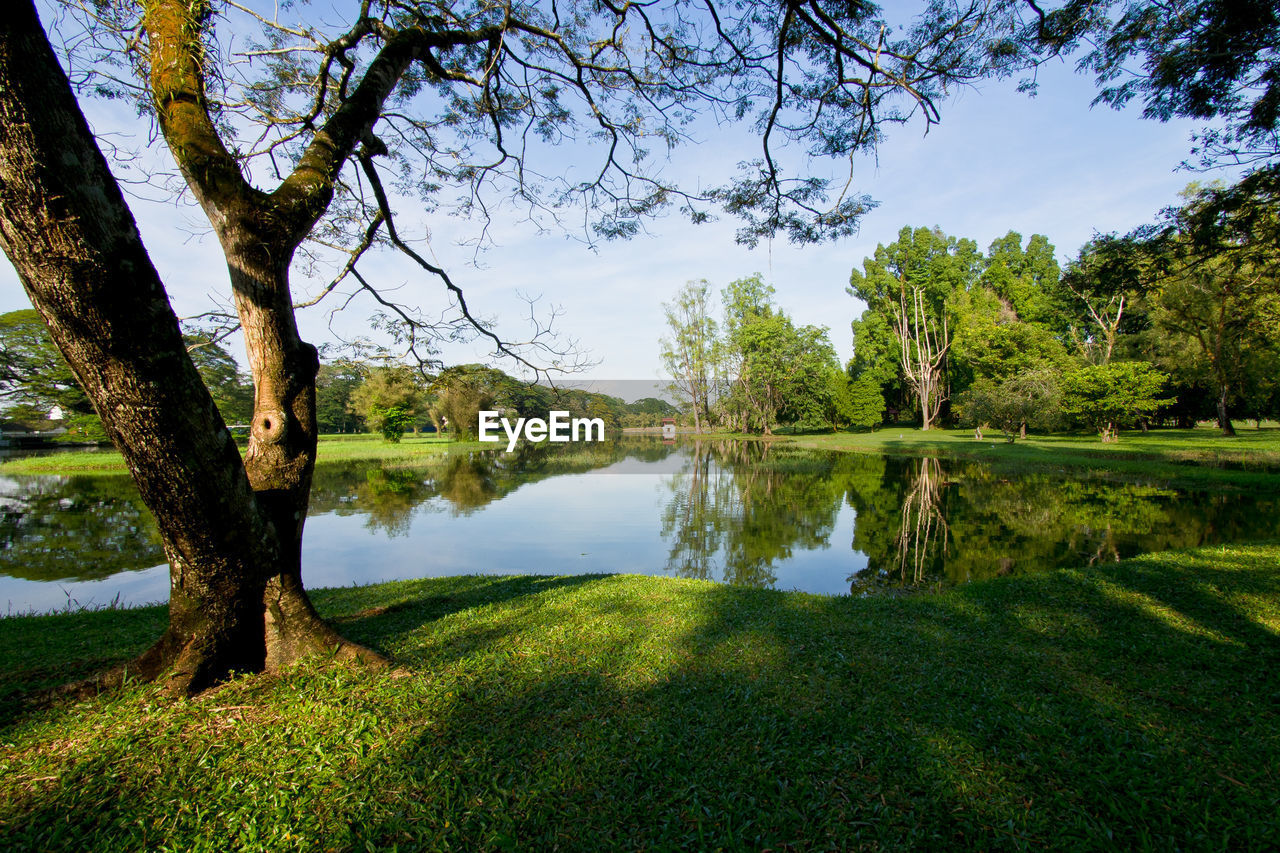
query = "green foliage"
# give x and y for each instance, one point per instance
(838, 399)
(866, 403)
(1025, 280)
(925, 257)
(688, 352)
(390, 400)
(461, 392)
(1101, 293)
(776, 371)
(231, 388)
(1031, 399)
(393, 421)
(914, 285)
(82, 429)
(647, 412)
(1109, 396)
(652, 406)
(992, 342)
(34, 377)
(1214, 290)
(1198, 59)
(1197, 296)
(336, 381)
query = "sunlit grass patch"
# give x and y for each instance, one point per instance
(332, 448)
(1172, 456)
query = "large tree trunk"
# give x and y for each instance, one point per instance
(1224, 420)
(65, 226)
(280, 458)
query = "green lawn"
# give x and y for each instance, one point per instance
(1180, 456)
(1184, 457)
(332, 448)
(1132, 706)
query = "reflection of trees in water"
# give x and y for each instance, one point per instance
(923, 529)
(924, 522)
(460, 482)
(735, 512)
(388, 497)
(901, 524)
(471, 481)
(74, 528)
(738, 509)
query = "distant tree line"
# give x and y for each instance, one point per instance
(1176, 322)
(352, 395)
(359, 396)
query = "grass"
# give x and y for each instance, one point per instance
(1180, 457)
(1135, 706)
(332, 448)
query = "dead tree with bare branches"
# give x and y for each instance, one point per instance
(923, 342)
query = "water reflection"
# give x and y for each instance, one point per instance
(923, 533)
(738, 510)
(928, 522)
(76, 528)
(749, 513)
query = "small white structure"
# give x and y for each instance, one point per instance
(668, 427)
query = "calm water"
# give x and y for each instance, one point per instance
(741, 513)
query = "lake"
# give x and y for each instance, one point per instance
(750, 513)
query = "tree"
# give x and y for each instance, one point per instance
(35, 377)
(1108, 396)
(991, 341)
(866, 403)
(1028, 399)
(1025, 279)
(912, 283)
(231, 390)
(923, 343)
(1215, 279)
(336, 381)
(33, 374)
(1102, 283)
(1201, 59)
(461, 393)
(389, 400)
(688, 353)
(875, 359)
(465, 94)
(776, 369)
(838, 400)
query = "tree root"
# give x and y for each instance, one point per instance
(186, 669)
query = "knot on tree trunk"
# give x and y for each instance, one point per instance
(269, 426)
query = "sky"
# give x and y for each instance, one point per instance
(998, 161)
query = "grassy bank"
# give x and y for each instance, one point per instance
(1183, 457)
(332, 448)
(1134, 706)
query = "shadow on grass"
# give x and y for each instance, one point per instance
(40, 652)
(1131, 707)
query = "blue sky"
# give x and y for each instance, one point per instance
(999, 160)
